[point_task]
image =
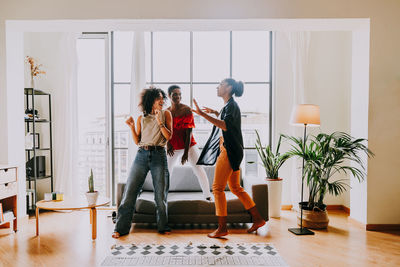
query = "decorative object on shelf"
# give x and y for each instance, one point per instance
(326, 155)
(29, 141)
(1, 213)
(31, 113)
(40, 167)
(91, 195)
(35, 69)
(303, 115)
(30, 198)
(272, 161)
(8, 216)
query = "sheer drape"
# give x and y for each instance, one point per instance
(65, 118)
(138, 82)
(299, 43)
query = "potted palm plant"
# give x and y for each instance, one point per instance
(272, 161)
(326, 155)
(91, 195)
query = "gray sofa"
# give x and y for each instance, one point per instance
(187, 205)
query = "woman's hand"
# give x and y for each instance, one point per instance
(184, 158)
(158, 116)
(197, 110)
(130, 122)
(209, 110)
(217, 122)
(170, 149)
(136, 131)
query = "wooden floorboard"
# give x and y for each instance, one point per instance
(65, 240)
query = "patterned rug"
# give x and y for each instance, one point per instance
(261, 254)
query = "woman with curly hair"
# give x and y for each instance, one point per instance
(152, 132)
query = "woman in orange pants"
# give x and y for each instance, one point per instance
(226, 150)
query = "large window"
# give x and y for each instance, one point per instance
(121, 83)
(92, 51)
(197, 62)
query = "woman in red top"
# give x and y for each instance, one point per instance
(182, 145)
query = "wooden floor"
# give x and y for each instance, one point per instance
(65, 240)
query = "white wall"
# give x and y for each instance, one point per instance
(328, 84)
(15, 114)
(360, 193)
(3, 98)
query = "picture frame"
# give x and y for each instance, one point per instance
(37, 140)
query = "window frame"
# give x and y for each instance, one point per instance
(191, 83)
(108, 133)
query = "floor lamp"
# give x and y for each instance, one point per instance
(304, 115)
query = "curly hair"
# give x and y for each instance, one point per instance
(147, 98)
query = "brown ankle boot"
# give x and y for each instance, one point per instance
(222, 228)
(258, 221)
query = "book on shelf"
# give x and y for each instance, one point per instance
(1, 213)
(8, 216)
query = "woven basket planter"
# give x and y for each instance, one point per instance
(314, 219)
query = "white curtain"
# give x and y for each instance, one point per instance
(138, 82)
(65, 118)
(299, 43)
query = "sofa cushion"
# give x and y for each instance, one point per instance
(183, 179)
(187, 203)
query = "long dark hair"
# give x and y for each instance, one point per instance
(147, 98)
(237, 86)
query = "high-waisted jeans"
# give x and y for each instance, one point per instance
(225, 174)
(154, 161)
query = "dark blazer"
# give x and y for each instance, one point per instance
(233, 140)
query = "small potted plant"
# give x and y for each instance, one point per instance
(272, 161)
(324, 156)
(91, 195)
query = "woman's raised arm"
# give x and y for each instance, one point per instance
(136, 133)
(217, 122)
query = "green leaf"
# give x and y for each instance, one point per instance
(326, 155)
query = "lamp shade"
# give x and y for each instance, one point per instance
(305, 114)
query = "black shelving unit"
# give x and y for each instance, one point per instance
(32, 153)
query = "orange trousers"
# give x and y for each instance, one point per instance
(223, 175)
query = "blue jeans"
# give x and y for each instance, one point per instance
(156, 162)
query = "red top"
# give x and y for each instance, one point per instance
(181, 123)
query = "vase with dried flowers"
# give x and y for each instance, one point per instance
(35, 69)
